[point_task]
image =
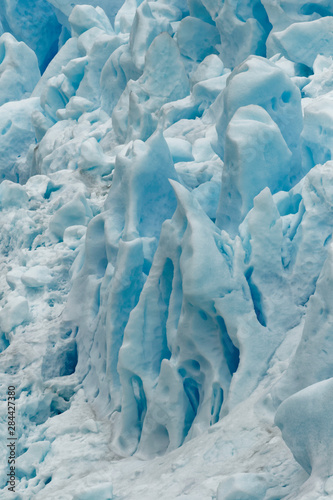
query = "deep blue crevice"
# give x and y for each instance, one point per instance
(51, 188)
(69, 360)
(231, 353)
(165, 287)
(60, 360)
(197, 9)
(192, 392)
(58, 406)
(289, 204)
(3, 343)
(313, 8)
(256, 297)
(328, 240)
(140, 398)
(217, 400)
(260, 14)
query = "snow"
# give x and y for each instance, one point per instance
(166, 206)
(243, 487)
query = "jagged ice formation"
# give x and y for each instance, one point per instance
(166, 205)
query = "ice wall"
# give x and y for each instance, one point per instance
(167, 197)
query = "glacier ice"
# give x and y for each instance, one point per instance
(36, 276)
(206, 38)
(260, 82)
(310, 363)
(165, 253)
(12, 195)
(302, 42)
(134, 116)
(19, 72)
(74, 213)
(320, 81)
(243, 487)
(255, 156)
(27, 462)
(103, 491)
(309, 409)
(84, 17)
(243, 27)
(316, 134)
(15, 312)
(17, 138)
(63, 8)
(35, 23)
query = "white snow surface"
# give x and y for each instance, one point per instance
(166, 264)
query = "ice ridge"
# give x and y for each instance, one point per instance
(166, 206)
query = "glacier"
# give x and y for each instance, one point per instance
(166, 255)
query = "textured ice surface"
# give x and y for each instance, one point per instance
(17, 137)
(302, 42)
(260, 82)
(165, 248)
(19, 71)
(255, 156)
(35, 23)
(243, 487)
(310, 410)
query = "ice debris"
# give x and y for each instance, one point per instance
(14, 313)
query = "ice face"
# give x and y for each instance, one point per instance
(310, 410)
(17, 136)
(243, 28)
(165, 253)
(19, 71)
(260, 82)
(134, 117)
(255, 156)
(302, 42)
(36, 24)
(316, 134)
(305, 368)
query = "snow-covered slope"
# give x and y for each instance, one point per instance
(166, 203)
